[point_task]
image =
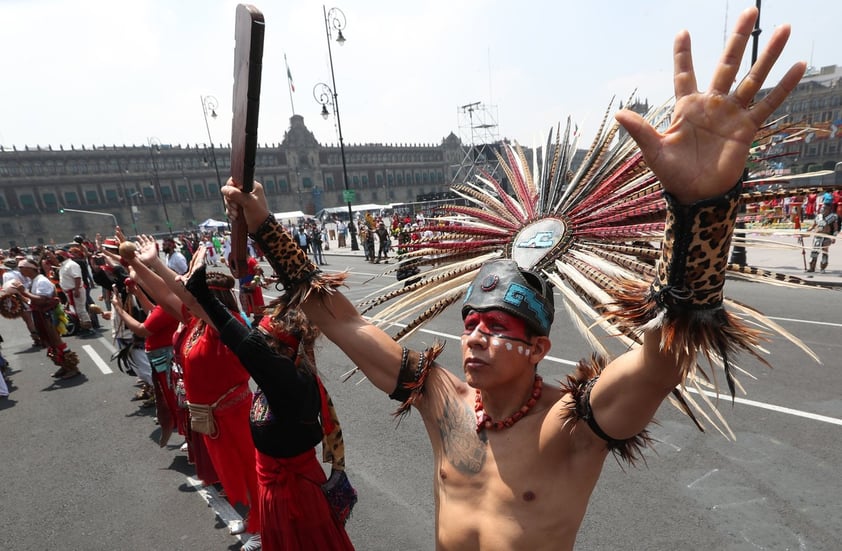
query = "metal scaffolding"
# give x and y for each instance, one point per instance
(478, 132)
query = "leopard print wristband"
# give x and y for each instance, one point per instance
(289, 261)
(694, 255)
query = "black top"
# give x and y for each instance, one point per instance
(285, 413)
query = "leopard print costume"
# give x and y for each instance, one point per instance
(333, 443)
(685, 302)
(691, 273)
(297, 274)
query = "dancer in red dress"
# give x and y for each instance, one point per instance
(291, 413)
(215, 383)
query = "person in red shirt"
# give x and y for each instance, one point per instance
(157, 331)
(251, 292)
(810, 206)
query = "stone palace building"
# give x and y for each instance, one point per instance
(158, 188)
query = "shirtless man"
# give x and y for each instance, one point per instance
(524, 482)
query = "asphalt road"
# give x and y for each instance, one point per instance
(80, 469)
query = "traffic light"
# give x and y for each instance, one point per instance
(61, 211)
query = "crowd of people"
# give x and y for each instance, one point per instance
(197, 381)
(816, 218)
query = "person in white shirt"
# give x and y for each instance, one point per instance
(11, 275)
(226, 248)
(70, 280)
(175, 260)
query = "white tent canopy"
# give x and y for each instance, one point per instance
(289, 216)
(368, 207)
(211, 224)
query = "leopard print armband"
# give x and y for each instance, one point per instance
(288, 260)
(405, 375)
(685, 302)
(296, 271)
(694, 255)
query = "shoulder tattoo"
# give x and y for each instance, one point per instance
(463, 447)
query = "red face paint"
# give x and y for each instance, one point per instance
(496, 323)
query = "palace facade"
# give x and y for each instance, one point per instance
(158, 188)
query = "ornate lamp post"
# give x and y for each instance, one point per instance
(154, 145)
(327, 95)
(209, 105)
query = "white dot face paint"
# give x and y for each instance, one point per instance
(497, 342)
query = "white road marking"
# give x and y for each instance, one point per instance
(219, 504)
(779, 409)
(807, 321)
(108, 344)
(704, 476)
(100, 363)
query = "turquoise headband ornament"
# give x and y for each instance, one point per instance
(502, 285)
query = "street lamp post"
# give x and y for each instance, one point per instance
(738, 253)
(327, 95)
(154, 145)
(209, 105)
(130, 199)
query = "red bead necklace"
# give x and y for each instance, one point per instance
(484, 420)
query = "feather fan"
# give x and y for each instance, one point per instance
(585, 228)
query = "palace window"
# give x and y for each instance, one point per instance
(71, 199)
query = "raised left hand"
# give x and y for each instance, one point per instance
(147, 250)
(703, 152)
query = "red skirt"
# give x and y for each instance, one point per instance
(198, 456)
(295, 514)
(232, 453)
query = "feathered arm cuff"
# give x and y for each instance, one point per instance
(578, 385)
(298, 275)
(685, 300)
(415, 367)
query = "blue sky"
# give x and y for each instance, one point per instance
(120, 72)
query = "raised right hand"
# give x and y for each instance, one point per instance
(253, 204)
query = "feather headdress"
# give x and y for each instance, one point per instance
(587, 228)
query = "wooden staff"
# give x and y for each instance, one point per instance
(248, 62)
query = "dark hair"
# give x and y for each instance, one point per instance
(221, 285)
(294, 322)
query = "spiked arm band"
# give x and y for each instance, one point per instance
(297, 273)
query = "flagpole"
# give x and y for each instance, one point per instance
(290, 85)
